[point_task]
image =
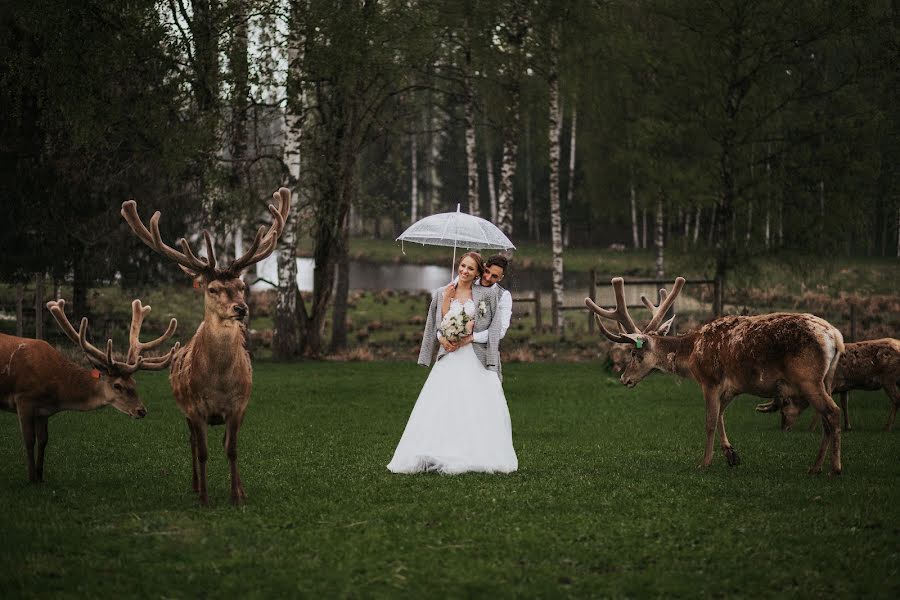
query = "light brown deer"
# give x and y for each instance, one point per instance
(870, 365)
(773, 355)
(212, 375)
(36, 381)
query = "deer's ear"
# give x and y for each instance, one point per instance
(665, 327)
(639, 339)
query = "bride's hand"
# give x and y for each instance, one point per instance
(450, 291)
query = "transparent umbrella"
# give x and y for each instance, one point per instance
(459, 230)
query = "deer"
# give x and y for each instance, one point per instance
(772, 355)
(212, 375)
(870, 365)
(37, 381)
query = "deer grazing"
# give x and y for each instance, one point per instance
(870, 365)
(774, 355)
(212, 375)
(36, 381)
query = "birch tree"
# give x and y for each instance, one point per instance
(555, 218)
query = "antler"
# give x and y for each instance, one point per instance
(623, 319)
(136, 347)
(666, 301)
(619, 315)
(104, 360)
(263, 244)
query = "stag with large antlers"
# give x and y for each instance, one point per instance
(771, 356)
(212, 376)
(36, 381)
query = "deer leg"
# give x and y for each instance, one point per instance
(26, 424)
(713, 406)
(845, 399)
(195, 467)
(891, 388)
(40, 426)
(831, 431)
(730, 453)
(237, 488)
(814, 422)
(199, 435)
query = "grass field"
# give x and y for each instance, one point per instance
(607, 500)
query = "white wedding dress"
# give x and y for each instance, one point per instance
(460, 422)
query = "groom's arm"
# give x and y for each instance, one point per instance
(504, 310)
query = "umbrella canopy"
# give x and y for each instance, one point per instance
(459, 230)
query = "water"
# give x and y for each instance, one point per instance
(414, 278)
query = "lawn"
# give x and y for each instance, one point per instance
(607, 500)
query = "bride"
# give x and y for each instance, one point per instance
(460, 422)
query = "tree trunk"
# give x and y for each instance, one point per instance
(898, 232)
(285, 344)
(413, 183)
(658, 238)
(644, 225)
(492, 189)
(697, 226)
(20, 316)
(634, 222)
(39, 306)
(534, 230)
(570, 191)
(508, 170)
(555, 220)
(471, 157)
(341, 293)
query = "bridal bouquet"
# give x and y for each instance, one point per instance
(453, 325)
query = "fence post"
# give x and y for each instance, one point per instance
(592, 292)
(538, 325)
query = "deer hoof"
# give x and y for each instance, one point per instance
(814, 470)
(733, 458)
(836, 473)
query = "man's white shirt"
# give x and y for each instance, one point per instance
(504, 308)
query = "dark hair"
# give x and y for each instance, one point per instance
(479, 262)
(498, 260)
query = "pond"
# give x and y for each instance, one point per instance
(402, 277)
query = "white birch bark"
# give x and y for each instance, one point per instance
(414, 180)
(570, 192)
(492, 189)
(507, 172)
(658, 239)
(634, 223)
(434, 157)
(285, 325)
(555, 221)
(471, 159)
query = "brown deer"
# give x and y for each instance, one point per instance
(212, 375)
(870, 365)
(775, 355)
(36, 381)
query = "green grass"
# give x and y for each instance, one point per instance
(607, 500)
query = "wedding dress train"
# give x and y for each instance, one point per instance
(460, 422)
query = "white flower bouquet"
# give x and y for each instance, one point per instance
(453, 325)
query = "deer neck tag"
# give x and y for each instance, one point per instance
(638, 344)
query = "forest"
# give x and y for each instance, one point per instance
(727, 128)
